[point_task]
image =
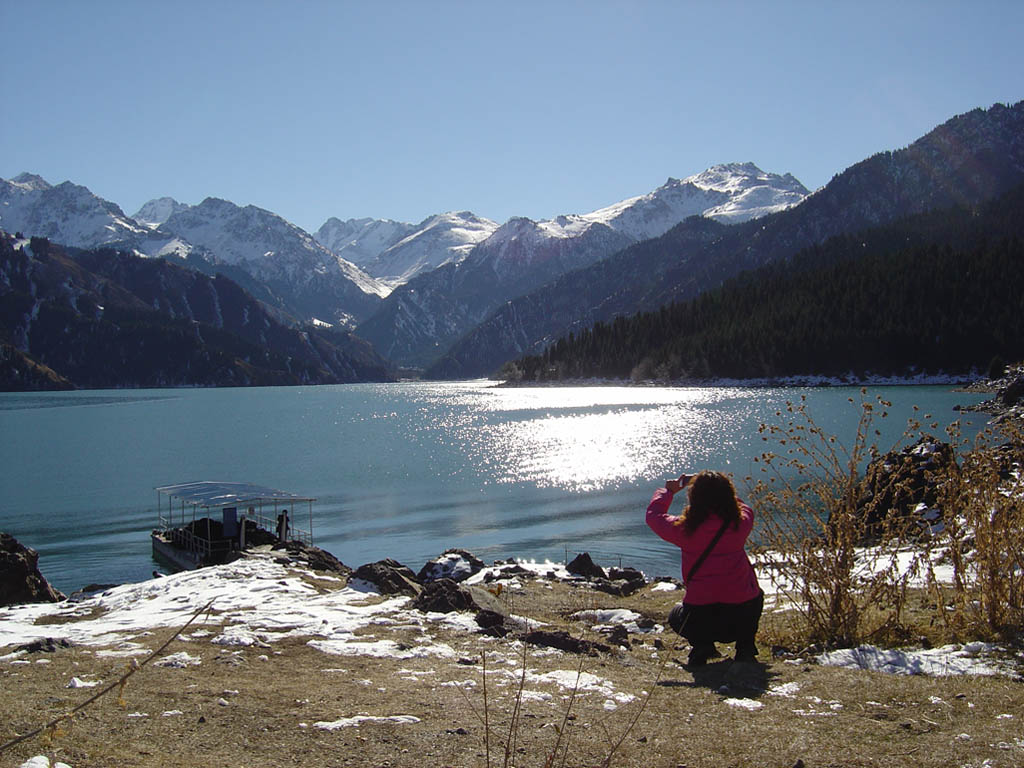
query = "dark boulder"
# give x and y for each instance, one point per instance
(900, 483)
(443, 596)
(315, 558)
(1012, 392)
(20, 579)
(256, 536)
(583, 565)
(621, 582)
(509, 571)
(492, 623)
(46, 645)
(390, 577)
(563, 641)
(454, 564)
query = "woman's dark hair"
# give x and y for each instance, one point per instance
(711, 493)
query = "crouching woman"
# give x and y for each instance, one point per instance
(723, 601)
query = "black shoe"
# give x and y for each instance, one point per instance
(746, 655)
(699, 655)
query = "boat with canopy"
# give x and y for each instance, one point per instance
(208, 522)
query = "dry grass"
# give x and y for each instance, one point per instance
(832, 717)
(816, 521)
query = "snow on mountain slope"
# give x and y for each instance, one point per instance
(66, 213)
(263, 244)
(156, 212)
(731, 193)
(436, 241)
(395, 252)
(361, 241)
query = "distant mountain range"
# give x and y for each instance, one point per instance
(102, 318)
(466, 264)
(928, 297)
(458, 294)
(430, 312)
(394, 252)
(969, 159)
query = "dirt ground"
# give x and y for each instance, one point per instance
(635, 706)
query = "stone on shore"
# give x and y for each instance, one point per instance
(901, 485)
(390, 577)
(454, 564)
(315, 558)
(20, 579)
(583, 565)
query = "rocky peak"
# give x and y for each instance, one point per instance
(156, 212)
(31, 182)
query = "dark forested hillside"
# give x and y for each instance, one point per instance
(964, 162)
(938, 292)
(105, 318)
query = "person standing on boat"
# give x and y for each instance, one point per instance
(723, 601)
(282, 526)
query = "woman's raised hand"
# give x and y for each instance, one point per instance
(675, 486)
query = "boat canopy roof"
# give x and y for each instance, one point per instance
(209, 493)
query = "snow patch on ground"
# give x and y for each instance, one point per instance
(969, 659)
(352, 722)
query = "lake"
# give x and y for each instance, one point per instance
(399, 470)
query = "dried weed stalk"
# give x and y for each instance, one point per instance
(817, 522)
(844, 554)
(981, 540)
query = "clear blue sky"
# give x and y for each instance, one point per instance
(404, 109)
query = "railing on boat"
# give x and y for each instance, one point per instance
(247, 503)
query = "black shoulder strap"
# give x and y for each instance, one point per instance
(707, 551)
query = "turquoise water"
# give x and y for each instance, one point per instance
(400, 470)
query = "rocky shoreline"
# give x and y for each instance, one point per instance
(1007, 404)
(317, 665)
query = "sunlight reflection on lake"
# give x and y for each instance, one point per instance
(399, 470)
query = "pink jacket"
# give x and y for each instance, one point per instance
(726, 575)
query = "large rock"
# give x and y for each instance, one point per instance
(445, 596)
(390, 577)
(20, 579)
(621, 581)
(315, 558)
(583, 565)
(563, 641)
(1012, 392)
(454, 564)
(898, 486)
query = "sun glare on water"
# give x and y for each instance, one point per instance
(589, 438)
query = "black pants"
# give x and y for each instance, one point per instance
(705, 625)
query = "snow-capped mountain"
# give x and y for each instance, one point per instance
(280, 255)
(442, 239)
(66, 213)
(395, 252)
(156, 212)
(969, 159)
(730, 193)
(361, 241)
(523, 254)
(272, 258)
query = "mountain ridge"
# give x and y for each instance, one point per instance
(970, 158)
(433, 310)
(107, 318)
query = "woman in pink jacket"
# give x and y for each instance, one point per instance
(723, 601)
